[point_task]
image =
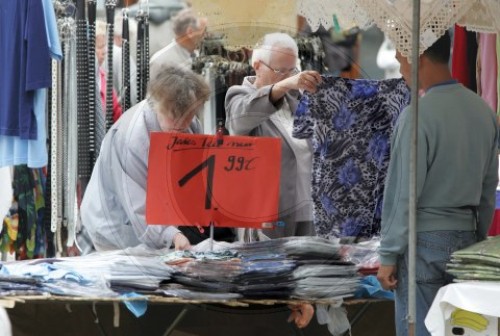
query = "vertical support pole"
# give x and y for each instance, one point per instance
(412, 236)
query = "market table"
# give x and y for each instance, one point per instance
(178, 317)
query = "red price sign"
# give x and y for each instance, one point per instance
(193, 180)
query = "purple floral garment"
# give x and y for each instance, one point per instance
(350, 123)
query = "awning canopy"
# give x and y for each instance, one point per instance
(244, 22)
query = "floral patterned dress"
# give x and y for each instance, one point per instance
(350, 123)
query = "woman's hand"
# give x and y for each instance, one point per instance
(306, 80)
(181, 242)
(301, 314)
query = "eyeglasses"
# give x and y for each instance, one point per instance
(282, 72)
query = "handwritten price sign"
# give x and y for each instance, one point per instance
(195, 179)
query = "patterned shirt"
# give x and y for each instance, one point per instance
(350, 123)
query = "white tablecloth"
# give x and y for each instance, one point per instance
(477, 297)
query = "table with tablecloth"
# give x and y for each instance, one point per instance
(477, 297)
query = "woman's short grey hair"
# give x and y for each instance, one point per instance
(183, 20)
(264, 48)
(177, 92)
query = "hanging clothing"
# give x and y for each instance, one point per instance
(488, 68)
(472, 51)
(24, 65)
(118, 75)
(13, 149)
(459, 60)
(225, 74)
(498, 77)
(350, 123)
(23, 229)
(6, 194)
(464, 57)
(117, 109)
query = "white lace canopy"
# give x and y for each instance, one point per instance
(394, 17)
(244, 22)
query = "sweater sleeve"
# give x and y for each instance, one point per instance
(487, 202)
(133, 180)
(395, 211)
(246, 109)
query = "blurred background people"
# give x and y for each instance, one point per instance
(386, 59)
(189, 31)
(101, 53)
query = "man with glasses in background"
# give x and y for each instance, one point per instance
(264, 105)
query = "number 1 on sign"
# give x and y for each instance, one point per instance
(210, 164)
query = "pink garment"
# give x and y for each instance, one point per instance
(488, 55)
(117, 108)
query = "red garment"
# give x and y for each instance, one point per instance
(495, 226)
(459, 64)
(117, 108)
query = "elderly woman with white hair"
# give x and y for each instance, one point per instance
(264, 105)
(114, 205)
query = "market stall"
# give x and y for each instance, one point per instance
(73, 153)
(97, 318)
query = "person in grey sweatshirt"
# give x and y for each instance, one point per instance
(457, 174)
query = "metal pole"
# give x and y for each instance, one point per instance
(412, 237)
(176, 322)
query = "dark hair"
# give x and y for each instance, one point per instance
(439, 52)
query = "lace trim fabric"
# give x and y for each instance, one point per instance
(483, 16)
(394, 17)
(243, 23)
(322, 12)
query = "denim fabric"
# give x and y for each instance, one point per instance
(434, 250)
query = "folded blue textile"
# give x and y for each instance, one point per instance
(136, 307)
(370, 288)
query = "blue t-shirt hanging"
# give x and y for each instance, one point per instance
(350, 123)
(24, 65)
(14, 150)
